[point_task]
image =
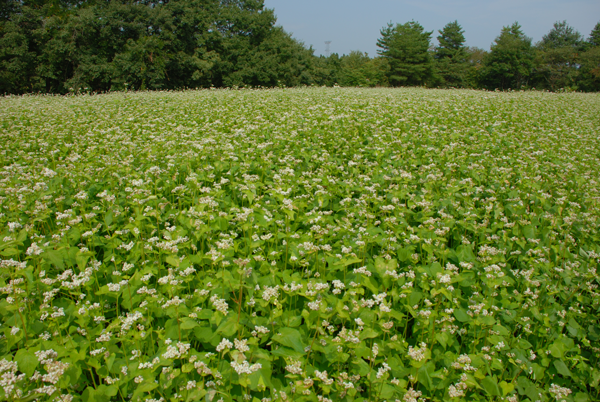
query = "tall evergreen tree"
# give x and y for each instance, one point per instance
(451, 56)
(560, 36)
(509, 63)
(556, 57)
(594, 39)
(406, 47)
(589, 71)
(451, 42)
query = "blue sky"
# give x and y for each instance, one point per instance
(354, 24)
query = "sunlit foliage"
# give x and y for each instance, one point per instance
(300, 245)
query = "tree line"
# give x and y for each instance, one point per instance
(62, 46)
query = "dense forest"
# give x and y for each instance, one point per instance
(62, 46)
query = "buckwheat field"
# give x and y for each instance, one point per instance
(300, 245)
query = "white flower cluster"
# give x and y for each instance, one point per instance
(338, 286)
(559, 392)
(12, 226)
(270, 293)
(34, 249)
(245, 368)
(417, 354)
(292, 287)
(412, 395)
(46, 356)
(127, 322)
(458, 390)
(362, 270)
(9, 378)
(295, 367)
(375, 350)
(105, 337)
(260, 330)
(463, 362)
(224, 344)
(382, 370)
(347, 335)
(115, 287)
(241, 345)
(13, 264)
(219, 304)
(315, 305)
(175, 301)
(322, 375)
(176, 352)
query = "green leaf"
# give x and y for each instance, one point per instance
(146, 387)
(344, 262)
(229, 326)
(424, 375)
(557, 349)
(562, 368)
(362, 367)
(507, 388)
(414, 298)
(465, 253)
(31, 397)
(27, 361)
(368, 333)
(529, 232)
(490, 384)
(22, 236)
(204, 334)
(188, 323)
(56, 257)
(286, 352)
(88, 395)
(173, 261)
(404, 253)
(110, 390)
(82, 260)
(108, 218)
(291, 338)
(371, 284)
(443, 338)
(387, 391)
(9, 252)
(461, 315)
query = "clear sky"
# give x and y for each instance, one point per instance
(355, 24)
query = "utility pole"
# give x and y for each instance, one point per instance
(327, 43)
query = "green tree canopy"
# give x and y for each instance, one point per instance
(509, 63)
(594, 38)
(557, 58)
(451, 42)
(589, 71)
(406, 47)
(357, 69)
(451, 56)
(55, 45)
(561, 35)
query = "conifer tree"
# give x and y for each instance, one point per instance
(451, 56)
(406, 47)
(509, 63)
